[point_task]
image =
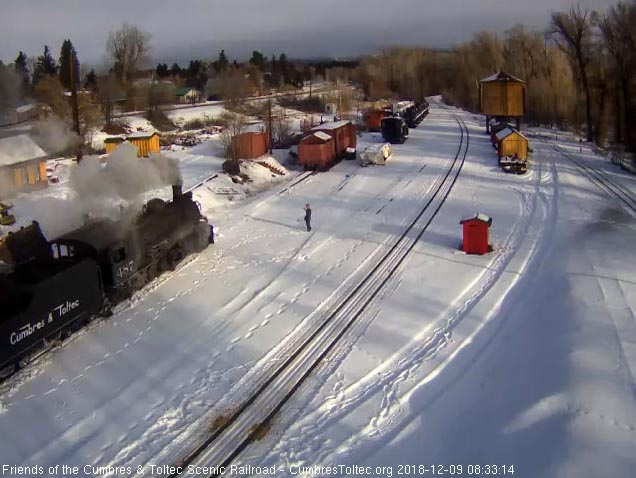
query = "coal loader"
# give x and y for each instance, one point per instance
(49, 289)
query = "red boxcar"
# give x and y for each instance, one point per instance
(250, 145)
(343, 134)
(317, 151)
(373, 119)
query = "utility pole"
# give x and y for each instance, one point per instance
(269, 107)
(76, 123)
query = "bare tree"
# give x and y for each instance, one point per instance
(107, 91)
(233, 125)
(620, 40)
(128, 47)
(281, 129)
(157, 95)
(49, 91)
(233, 86)
(573, 34)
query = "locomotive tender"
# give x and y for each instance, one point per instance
(52, 289)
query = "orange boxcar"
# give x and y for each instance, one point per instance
(250, 145)
(343, 134)
(317, 151)
(373, 119)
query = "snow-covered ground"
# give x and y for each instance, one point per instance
(523, 357)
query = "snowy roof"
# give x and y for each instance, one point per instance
(321, 135)
(478, 217)
(501, 76)
(114, 139)
(331, 125)
(18, 149)
(24, 108)
(504, 133)
(142, 135)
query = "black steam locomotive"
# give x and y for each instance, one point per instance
(52, 289)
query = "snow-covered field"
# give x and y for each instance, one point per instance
(524, 357)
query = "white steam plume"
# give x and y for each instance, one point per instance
(54, 136)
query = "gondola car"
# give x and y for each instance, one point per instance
(50, 289)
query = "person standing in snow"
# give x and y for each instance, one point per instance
(308, 216)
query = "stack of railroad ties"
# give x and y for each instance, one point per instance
(511, 147)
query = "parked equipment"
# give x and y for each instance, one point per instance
(415, 113)
(394, 130)
(375, 154)
(343, 134)
(51, 289)
(327, 143)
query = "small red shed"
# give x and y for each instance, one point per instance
(250, 145)
(476, 234)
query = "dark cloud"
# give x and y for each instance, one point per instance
(199, 28)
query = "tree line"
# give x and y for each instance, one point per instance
(580, 71)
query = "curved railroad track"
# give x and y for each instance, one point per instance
(251, 419)
(600, 179)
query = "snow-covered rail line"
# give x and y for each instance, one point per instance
(251, 419)
(601, 180)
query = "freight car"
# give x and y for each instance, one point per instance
(394, 130)
(343, 134)
(373, 117)
(415, 113)
(50, 289)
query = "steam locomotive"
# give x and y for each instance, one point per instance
(52, 289)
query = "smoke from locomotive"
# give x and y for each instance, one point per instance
(112, 190)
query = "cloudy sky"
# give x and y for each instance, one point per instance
(184, 29)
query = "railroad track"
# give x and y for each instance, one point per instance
(600, 179)
(205, 180)
(251, 419)
(301, 177)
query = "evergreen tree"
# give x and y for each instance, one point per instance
(91, 81)
(22, 69)
(68, 60)
(162, 70)
(21, 62)
(175, 69)
(258, 60)
(44, 65)
(274, 68)
(222, 63)
(284, 68)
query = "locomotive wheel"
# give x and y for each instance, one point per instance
(175, 255)
(9, 370)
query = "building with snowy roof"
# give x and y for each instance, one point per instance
(22, 165)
